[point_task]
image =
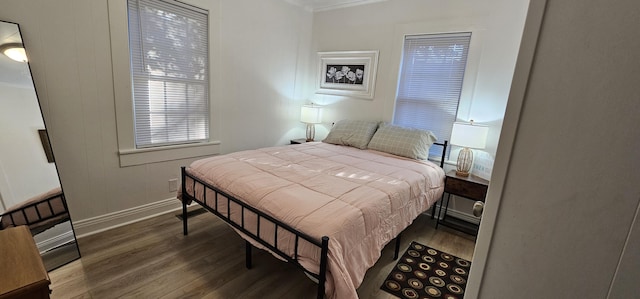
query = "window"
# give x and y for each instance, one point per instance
(168, 43)
(431, 76)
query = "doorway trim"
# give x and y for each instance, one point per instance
(499, 176)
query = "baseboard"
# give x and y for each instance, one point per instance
(460, 215)
(463, 216)
(109, 221)
(55, 241)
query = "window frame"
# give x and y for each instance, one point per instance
(473, 63)
(412, 97)
(122, 87)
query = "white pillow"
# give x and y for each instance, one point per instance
(406, 142)
(356, 133)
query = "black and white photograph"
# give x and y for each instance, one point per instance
(347, 73)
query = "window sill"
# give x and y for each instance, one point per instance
(131, 157)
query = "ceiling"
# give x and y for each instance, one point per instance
(321, 5)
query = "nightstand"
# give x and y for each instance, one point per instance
(471, 188)
(299, 141)
(23, 274)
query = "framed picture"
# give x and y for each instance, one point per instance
(348, 73)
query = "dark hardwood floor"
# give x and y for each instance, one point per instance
(152, 259)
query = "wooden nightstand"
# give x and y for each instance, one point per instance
(471, 188)
(23, 274)
(299, 141)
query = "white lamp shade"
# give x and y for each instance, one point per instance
(311, 114)
(469, 135)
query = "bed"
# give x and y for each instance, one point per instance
(39, 213)
(328, 207)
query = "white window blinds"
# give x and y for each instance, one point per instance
(168, 41)
(430, 82)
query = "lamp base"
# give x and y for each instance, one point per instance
(311, 132)
(465, 159)
(462, 173)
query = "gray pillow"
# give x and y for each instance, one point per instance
(406, 142)
(356, 133)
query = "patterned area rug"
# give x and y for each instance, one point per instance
(424, 272)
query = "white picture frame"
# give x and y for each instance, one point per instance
(347, 73)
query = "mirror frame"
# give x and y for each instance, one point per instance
(66, 256)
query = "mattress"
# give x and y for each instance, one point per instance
(360, 199)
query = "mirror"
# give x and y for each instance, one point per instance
(30, 190)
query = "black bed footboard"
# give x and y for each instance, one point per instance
(37, 215)
(212, 204)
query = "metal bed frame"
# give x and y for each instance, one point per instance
(322, 244)
(37, 206)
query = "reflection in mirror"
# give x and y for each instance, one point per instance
(30, 191)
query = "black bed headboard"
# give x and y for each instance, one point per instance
(444, 151)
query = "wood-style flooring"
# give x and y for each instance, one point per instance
(152, 259)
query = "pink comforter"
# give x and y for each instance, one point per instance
(360, 199)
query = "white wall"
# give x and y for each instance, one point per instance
(24, 170)
(262, 52)
(267, 70)
(497, 30)
(497, 27)
(567, 216)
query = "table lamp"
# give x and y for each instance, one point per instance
(311, 115)
(467, 136)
